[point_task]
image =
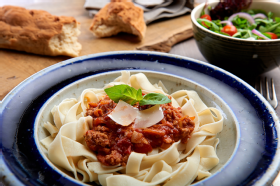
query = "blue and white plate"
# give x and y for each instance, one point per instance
(256, 158)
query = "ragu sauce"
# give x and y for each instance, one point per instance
(113, 143)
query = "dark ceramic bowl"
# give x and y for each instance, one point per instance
(244, 58)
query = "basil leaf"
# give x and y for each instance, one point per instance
(133, 102)
(115, 93)
(132, 93)
(132, 96)
(139, 94)
(153, 99)
(123, 92)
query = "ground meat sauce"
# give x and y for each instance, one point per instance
(113, 143)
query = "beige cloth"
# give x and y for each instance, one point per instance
(153, 9)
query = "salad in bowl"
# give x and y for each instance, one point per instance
(241, 36)
(235, 20)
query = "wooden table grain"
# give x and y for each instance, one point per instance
(186, 48)
(15, 71)
(16, 66)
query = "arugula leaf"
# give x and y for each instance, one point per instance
(212, 25)
(262, 29)
(154, 99)
(243, 26)
(218, 23)
(240, 22)
(251, 12)
(253, 26)
(269, 28)
(267, 35)
(132, 96)
(269, 15)
(223, 33)
(254, 11)
(277, 31)
(243, 33)
(207, 24)
(202, 12)
(264, 21)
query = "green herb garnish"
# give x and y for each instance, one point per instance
(132, 96)
(244, 27)
(212, 26)
(154, 99)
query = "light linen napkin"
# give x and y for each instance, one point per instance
(152, 10)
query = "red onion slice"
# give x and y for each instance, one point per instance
(259, 34)
(260, 15)
(226, 22)
(244, 15)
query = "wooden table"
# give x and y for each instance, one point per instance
(17, 66)
(14, 68)
(189, 48)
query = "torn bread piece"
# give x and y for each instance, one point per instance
(38, 32)
(118, 17)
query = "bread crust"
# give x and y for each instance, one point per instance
(32, 30)
(118, 17)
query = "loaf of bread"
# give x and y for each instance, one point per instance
(118, 17)
(38, 32)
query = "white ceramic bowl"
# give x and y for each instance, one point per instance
(229, 137)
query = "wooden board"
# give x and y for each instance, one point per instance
(161, 36)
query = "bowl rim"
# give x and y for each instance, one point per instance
(197, 8)
(217, 97)
(261, 181)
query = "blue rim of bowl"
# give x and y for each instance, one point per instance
(237, 143)
(224, 36)
(263, 108)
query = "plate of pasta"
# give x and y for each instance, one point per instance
(137, 118)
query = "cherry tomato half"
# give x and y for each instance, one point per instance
(205, 16)
(229, 29)
(272, 35)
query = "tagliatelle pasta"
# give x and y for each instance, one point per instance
(180, 164)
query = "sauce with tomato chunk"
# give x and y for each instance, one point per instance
(113, 143)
